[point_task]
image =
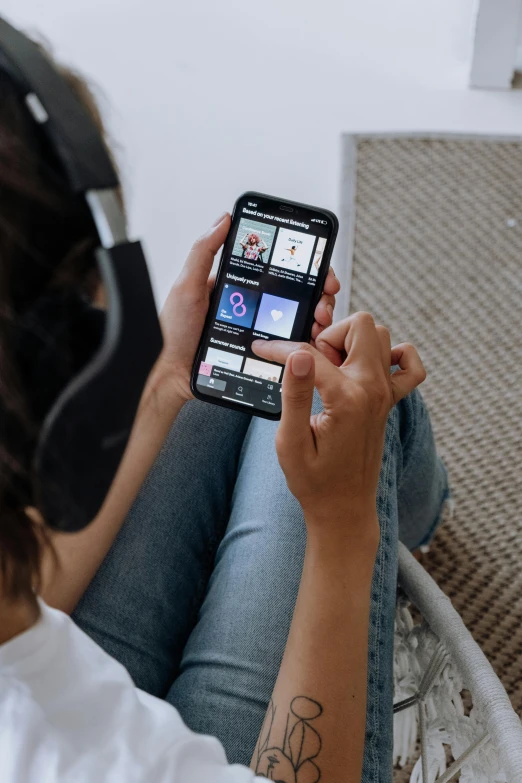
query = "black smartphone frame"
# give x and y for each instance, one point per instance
(318, 291)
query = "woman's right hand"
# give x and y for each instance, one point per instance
(332, 459)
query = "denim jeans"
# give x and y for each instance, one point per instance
(196, 595)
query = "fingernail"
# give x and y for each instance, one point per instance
(330, 310)
(219, 220)
(301, 364)
(258, 344)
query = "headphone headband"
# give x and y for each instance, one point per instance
(71, 130)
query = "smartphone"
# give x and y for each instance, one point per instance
(270, 278)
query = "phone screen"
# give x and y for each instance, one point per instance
(271, 276)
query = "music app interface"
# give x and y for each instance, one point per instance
(269, 274)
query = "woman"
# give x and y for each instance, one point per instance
(262, 612)
(253, 247)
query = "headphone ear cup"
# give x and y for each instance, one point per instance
(85, 434)
(58, 336)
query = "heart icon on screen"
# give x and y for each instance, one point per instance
(276, 314)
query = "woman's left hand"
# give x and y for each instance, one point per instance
(183, 315)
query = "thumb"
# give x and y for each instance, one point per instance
(294, 432)
(201, 257)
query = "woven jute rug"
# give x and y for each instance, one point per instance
(433, 240)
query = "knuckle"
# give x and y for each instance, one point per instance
(369, 397)
(345, 323)
(352, 396)
(421, 374)
(304, 347)
(363, 317)
(299, 398)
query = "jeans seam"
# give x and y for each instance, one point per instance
(379, 573)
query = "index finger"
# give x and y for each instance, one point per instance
(201, 257)
(277, 350)
(327, 376)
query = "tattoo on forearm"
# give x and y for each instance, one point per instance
(291, 758)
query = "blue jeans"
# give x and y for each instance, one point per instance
(196, 595)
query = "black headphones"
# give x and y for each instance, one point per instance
(85, 433)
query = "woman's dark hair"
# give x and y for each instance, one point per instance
(48, 278)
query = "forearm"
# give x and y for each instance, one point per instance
(74, 559)
(318, 710)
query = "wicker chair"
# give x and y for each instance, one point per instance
(434, 662)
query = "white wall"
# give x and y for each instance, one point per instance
(210, 98)
(496, 42)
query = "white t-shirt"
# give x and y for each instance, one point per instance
(70, 712)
